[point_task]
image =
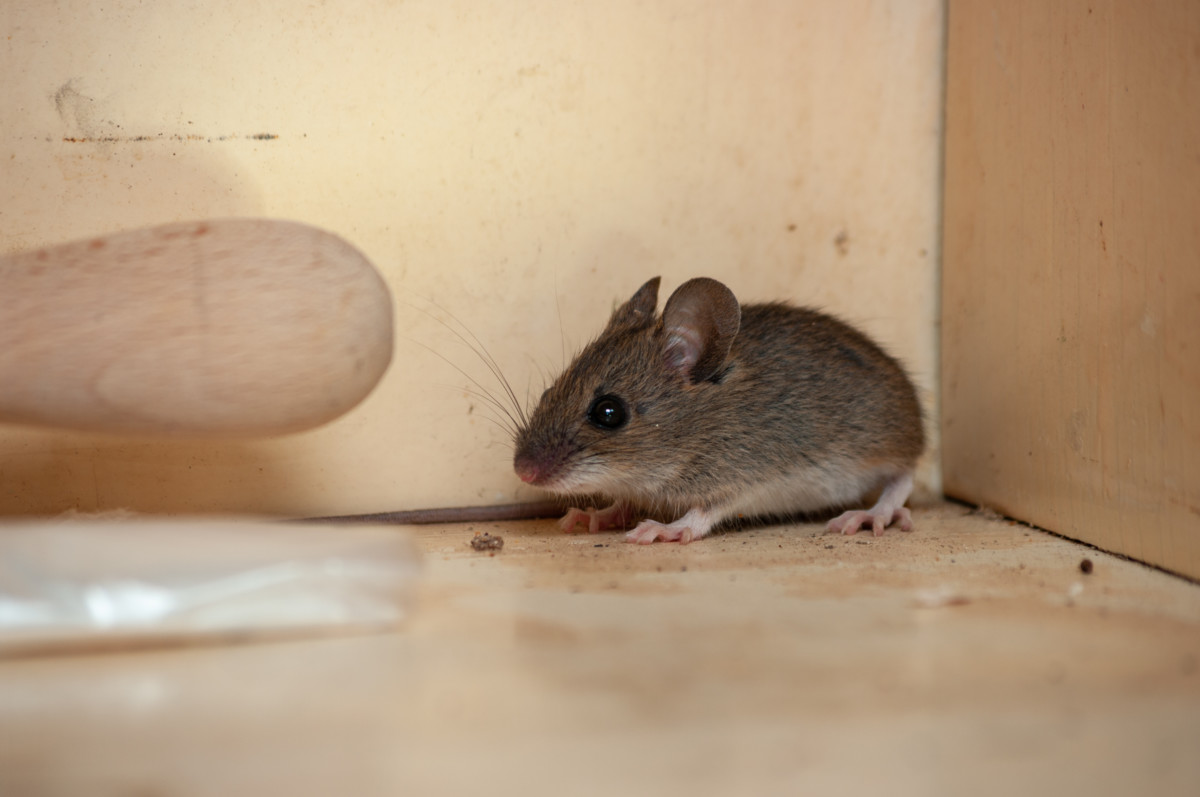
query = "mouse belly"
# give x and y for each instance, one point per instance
(809, 489)
(800, 491)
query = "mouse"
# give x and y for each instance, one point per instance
(714, 411)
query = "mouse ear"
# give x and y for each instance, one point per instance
(701, 319)
(638, 311)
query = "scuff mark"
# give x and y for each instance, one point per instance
(76, 109)
(841, 242)
(168, 137)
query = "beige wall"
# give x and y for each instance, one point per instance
(522, 165)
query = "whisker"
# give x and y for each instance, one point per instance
(487, 408)
(490, 403)
(483, 354)
(477, 392)
(562, 334)
(509, 434)
(484, 394)
(528, 389)
(481, 351)
(505, 421)
(542, 370)
(488, 411)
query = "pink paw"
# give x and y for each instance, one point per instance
(692, 526)
(877, 518)
(615, 516)
(649, 531)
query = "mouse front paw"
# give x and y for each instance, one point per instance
(876, 518)
(692, 526)
(615, 516)
(649, 531)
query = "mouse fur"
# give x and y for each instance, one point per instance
(714, 410)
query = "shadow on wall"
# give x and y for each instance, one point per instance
(94, 473)
(91, 175)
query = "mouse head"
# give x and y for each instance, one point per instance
(617, 418)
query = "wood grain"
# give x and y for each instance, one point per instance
(233, 327)
(1071, 293)
(971, 657)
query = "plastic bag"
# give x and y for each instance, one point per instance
(66, 586)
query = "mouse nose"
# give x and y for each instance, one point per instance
(527, 470)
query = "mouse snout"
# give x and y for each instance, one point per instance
(539, 466)
(528, 470)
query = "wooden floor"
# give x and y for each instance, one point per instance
(972, 656)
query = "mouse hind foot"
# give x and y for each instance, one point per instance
(888, 510)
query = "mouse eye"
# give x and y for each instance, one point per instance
(607, 412)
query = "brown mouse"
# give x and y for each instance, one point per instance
(716, 410)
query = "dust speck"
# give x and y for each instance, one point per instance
(841, 242)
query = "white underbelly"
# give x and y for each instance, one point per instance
(808, 490)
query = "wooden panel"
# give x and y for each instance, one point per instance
(1071, 293)
(753, 663)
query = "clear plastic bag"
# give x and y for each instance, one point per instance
(82, 585)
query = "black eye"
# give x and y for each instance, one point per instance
(608, 412)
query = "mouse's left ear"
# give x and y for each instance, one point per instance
(701, 319)
(638, 312)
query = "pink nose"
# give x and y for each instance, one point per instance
(527, 471)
